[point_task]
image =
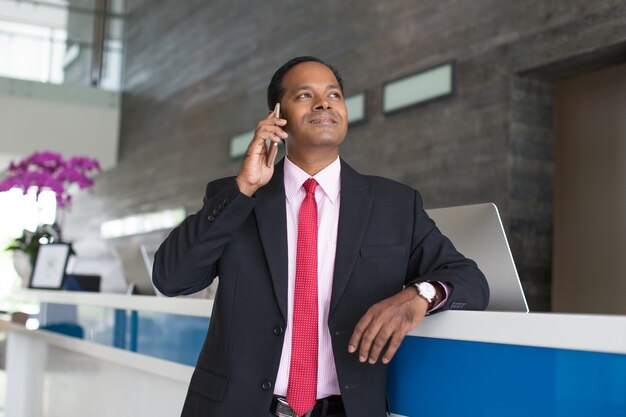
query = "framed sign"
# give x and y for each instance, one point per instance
(50, 264)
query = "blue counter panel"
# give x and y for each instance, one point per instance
(428, 377)
(456, 378)
(169, 336)
(173, 337)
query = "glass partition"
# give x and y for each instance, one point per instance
(60, 41)
(173, 337)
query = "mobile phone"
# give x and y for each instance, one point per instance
(274, 146)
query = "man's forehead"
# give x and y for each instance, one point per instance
(309, 74)
(309, 86)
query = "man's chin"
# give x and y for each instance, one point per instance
(328, 141)
(323, 141)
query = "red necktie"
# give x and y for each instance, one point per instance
(302, 388)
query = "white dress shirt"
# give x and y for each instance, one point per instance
(327, 198)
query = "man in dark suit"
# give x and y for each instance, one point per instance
(323, 271)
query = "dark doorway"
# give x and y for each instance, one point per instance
(589, 257)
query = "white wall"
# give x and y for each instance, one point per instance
(72, 120)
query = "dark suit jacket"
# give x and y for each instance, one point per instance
(385, 241)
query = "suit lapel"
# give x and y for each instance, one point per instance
(354, 212)
(271, 220)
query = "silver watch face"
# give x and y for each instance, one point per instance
(427, 290)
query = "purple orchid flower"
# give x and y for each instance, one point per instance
(50, 171)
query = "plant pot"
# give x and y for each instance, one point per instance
(23, 267)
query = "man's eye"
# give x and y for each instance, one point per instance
(304, 95)
(335, 94)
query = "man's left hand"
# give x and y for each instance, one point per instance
(387, 321)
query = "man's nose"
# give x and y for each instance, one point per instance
(322, 104)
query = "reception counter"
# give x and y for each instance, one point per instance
(98, 355)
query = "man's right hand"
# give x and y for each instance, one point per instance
(258, 165)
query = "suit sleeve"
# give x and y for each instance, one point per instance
(434, 258)
(186, 262)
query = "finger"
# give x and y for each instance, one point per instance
(263, 131)
(257, 145)
(276, 130)
(272, 155)
(280, 132)
(280, 122)
(381, 339)
(394, 345)
(271, 119)
(360, 327)
(369, 334)
(274, 138)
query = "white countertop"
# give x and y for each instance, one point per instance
(174, 305)
(588, 332)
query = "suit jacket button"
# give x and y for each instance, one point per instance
(266, 385)
(278, 330)
(210, 218)
(215, 212)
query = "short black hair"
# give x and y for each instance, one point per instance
(275, 89)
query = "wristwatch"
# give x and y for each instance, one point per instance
(427, 291)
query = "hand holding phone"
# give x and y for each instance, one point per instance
(257, 167)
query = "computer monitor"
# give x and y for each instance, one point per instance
(134, 268)
(476, 231)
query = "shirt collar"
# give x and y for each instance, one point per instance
(329, 179)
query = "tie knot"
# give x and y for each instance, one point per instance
(309, 186)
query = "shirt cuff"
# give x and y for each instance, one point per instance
(447, 289)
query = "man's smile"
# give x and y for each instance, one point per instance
(323, 120)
